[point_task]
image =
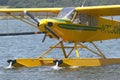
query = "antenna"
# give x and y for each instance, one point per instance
(83, 3)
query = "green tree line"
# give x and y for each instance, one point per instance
(55, 3)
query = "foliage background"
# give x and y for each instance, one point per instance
(55, 3)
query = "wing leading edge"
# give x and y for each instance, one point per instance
(35, 11)
(106, 10)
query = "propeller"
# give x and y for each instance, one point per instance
(46, 27)
(51, 31)
(44, 38)
(32, 17)
(36, 20)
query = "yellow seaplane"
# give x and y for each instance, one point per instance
(75, 25)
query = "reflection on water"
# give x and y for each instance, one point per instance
(31, 46)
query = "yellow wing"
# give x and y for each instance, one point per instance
(107, 10)
(34, 11)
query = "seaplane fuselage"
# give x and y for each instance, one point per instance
(72, 32)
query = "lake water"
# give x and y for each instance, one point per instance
(12, 47)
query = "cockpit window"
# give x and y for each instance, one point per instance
(66, 13)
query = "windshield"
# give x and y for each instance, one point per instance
(67, 13)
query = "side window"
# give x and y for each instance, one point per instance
(94, 21)
(84, 19)
(88, 20)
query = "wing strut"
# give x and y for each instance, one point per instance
(23, 20)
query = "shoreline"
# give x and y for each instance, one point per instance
(4, 6)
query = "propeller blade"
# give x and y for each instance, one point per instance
(51, 31)
(23, 33)
(44, 38)
(31, 16)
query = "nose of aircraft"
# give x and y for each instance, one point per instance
(45, 23)
(42, 25)
(46, 26)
